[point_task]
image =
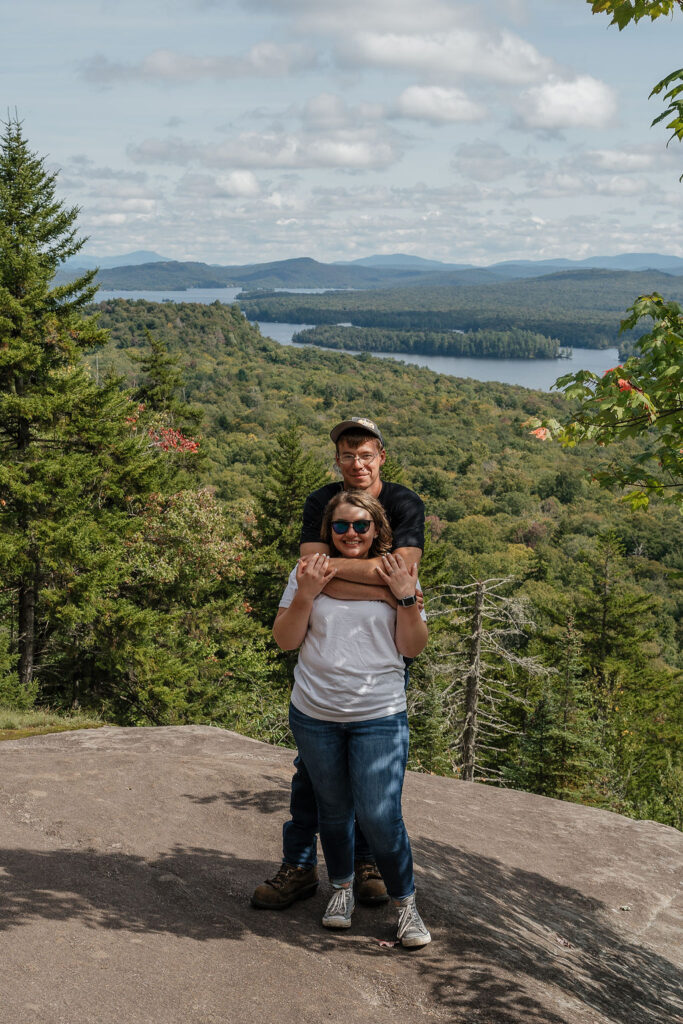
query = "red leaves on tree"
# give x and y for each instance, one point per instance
(169, 440)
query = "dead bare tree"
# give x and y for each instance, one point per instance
(482, 632)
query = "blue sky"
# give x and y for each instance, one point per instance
(233, 132)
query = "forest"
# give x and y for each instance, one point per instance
(138, 619)
(580, 308)
(155, 460)
(512, 344)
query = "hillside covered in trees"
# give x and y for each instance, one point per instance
(580, 694)
(159, 608)
(578, 307)
(512, 344)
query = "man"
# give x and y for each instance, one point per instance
(360, 455)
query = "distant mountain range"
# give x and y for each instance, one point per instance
(143, 270)
(83, 261)
(401, 260)
(531, 268)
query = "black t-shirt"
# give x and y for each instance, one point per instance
(404, 508)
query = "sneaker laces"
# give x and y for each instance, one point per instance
(338, 902)
(409, 918)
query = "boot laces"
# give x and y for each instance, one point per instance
(284, 873)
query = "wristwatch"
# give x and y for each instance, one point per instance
(406, 602)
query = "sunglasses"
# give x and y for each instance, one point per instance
(359, 525)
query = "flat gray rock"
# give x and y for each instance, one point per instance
(128, 856)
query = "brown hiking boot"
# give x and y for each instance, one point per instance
(370, 887)
(289, 885)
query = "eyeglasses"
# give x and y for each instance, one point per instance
(363, 457)
(359, 525)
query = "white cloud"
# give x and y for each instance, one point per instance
(437, 104)
(345, 149)
(162, 151)
(107, 219)
(621, 160)
(557, 184)
(356, 219)
(498, 56)
(265, 60)
(235, 185)
(136, 205)
(86, 168)
(582, 102)
(621, 185)
(239, 183)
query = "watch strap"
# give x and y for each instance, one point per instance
(406, 602)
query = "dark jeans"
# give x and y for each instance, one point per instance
(359, 767)
(300, 833)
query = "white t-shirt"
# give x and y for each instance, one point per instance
(349, 668)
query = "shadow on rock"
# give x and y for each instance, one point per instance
(503, 936)
(531, 927)
(268, 801)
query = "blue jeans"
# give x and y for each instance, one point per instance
(359, 767)
(300, 833)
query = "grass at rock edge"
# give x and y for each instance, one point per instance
(17, 725)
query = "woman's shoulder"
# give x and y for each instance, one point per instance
(290, 589)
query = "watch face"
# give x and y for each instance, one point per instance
(407, 601)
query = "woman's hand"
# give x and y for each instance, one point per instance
(411, 630)
(401, 580)
(313, 573)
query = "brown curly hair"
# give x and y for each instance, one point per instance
(383, 540)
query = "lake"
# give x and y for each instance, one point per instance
(539, 374)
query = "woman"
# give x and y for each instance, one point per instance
(347, 712)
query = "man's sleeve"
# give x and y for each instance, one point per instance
(408, 526)
(312, 519)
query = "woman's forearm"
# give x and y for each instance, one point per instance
(289, 628)
(411, 631)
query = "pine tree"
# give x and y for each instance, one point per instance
(560, 754)
(42, 329)
(614, 619)
(292, 474)
(160, 410)
(635, 694)
(161, 385)
(69, 458)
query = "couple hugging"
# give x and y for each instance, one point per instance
(353, 609)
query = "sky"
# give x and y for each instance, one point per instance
(239, 132)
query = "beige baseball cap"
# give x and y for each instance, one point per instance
(356, 423)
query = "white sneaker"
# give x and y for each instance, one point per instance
(411, 929)
(339, 909)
